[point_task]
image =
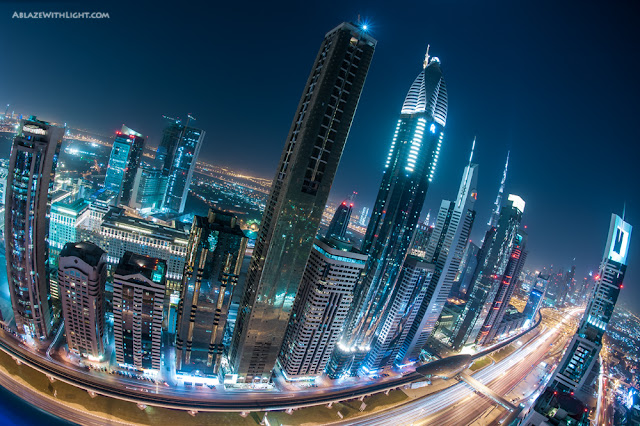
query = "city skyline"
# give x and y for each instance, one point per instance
(528, 97)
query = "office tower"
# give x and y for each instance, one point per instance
(567, 286)
(536, 296)
(183, 162)
(420, 240)
(508, 282)
(495, 215)
(82, 274)
(138, 299)
(340, 221)
(149, 187)
(364, 214)
(124, 161)
(576, 372)
(298, 197)
(4, 173)
(32, 166)
(321, 307)
(214, 257)
(64, 222)
(496, 252)
(467, 268)
(120, 233)
(170, 138)
(445, 251)
(409, 168)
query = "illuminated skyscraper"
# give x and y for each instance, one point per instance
(32, 166)
(214, 257)
(340, 221)
(321, 307)
(409, 168)
(298, 197)
(126, 154)
(496, 252)
(508, 283)
(576, 372)
(183, 162)
(138, 300)
(536, 296)
(364, 214)
(82, 275)
(149, 187)
(495, 215)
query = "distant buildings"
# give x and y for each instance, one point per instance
(82, 274)
(298, 197)
(576, 372)
(409, 168)
(28, 198)
(138, 299)
(181, 143)
(321, 307)
(123, 163)
(214, 256)
(340, 221)
(536, 296)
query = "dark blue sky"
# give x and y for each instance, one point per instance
(555, 83)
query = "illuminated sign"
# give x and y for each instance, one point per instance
(518, 202)
(619, 238)
(30, 128)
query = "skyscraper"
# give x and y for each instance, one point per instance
(138, 298)
(214, 257)
(495, 215)
(298, 197)
(508, 283)
(183, 162)
(321, 307)
(149, 187)
(445, 251)
(496, 252)
(32, 166)
(576, 372)
(123, 163)
(364, 213)
(536, 296)
(340, 221)
(409, 168)
(82, 274)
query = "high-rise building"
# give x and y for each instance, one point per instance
(576, 372)
(496, 252)
(214, 257)
(298, 197)
(409, 168)
(124, 161)
(82, 274)
(321, 307)
(536, 296)
(170, 138)
(495, 215)
(32, 166)
(420, 241)
(364, 215)
(467, 268)
(340, 221)
(508, 283)
(149, 187)
(183, 162)
(138, 301)
(445, 251)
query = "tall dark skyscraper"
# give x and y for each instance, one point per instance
(409, 168)
(214, 257)
(496, 252)
(298, 197)
(508, 283)
(32, 166)
(180, 163)
(576, 372)
(124, 161)
(495, 215)
(340, 221)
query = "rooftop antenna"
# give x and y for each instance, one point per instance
(426, 57)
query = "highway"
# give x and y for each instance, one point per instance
(459, 404)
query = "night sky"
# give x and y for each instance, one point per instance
(557, 84)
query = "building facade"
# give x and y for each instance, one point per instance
(138, 301)
(82, 274)
(34, 155)
(214, 256)
(298, 197)
(340, 221)
(124, 161)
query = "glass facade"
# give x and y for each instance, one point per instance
(298, 197)
(124, 161)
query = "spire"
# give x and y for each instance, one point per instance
(473, 147)
(426, 58)
(496, 212)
